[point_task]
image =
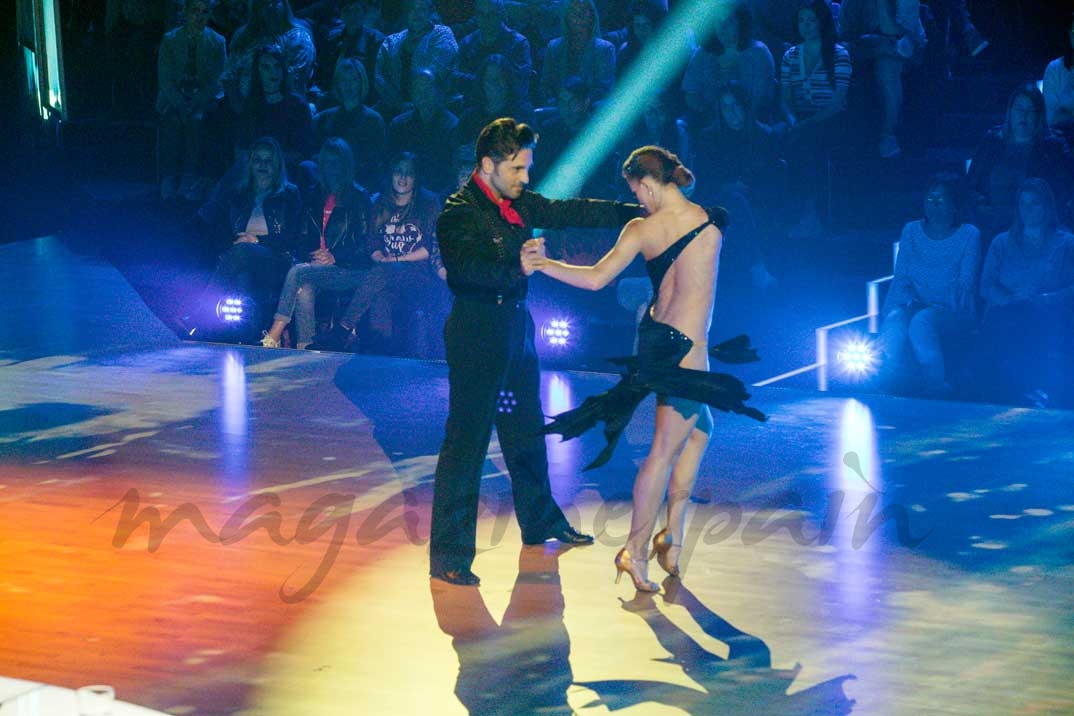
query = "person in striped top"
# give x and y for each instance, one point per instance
(814, 78)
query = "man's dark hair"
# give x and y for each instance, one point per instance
(503, 138)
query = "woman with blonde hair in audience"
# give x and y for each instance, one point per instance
(335, 229)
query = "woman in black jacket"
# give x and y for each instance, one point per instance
(335, 225)
(260, 217)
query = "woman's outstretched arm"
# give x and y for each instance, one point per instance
(597, 276)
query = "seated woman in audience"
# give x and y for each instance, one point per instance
(403, 241)
(1027, 284)
(273, 110)
(269, 110)
(189, 64)
(814, 78)
(646, 16)
(578, 51)
(270, 22)
(1021, 147)
(334, 235)
(260, 219)
(355, 122)
(933, 294)
(1058, 89)
(883, 35)
(737, 166)
(731, 54)
(358, 38)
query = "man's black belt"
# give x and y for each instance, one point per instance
(491, 296)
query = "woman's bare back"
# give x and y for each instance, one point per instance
(685, 297)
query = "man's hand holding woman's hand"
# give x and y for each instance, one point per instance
(533, 256)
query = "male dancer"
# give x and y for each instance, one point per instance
(493, 373)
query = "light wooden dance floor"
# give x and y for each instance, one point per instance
(872, 555)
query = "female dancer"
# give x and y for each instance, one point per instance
(681, 243)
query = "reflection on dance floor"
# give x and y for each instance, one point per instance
(871, 555)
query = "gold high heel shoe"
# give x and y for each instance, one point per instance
(662, 544)
(624, 563)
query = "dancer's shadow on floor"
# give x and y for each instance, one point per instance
(742, 684)
(520, 665)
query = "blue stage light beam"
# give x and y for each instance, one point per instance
(663, 58)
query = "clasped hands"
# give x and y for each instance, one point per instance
(533, 256)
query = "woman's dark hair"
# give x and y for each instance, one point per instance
(405, 157)
(658, 163)
(828, 34)
(742, 95)
(247, 184)
(594, 28)
(257, 92)
(742, 16)
(502, 139)
(1029, 91)
(1040, 187)
(954, 186)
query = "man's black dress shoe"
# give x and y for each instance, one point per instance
(461, 577)
(564, 534)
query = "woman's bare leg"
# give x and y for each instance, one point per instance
(651, 483)
(683, 477)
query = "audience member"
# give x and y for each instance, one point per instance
(356, 38)
(956, 27)
(1021, 147)
(1058, 90)
(270, 22)
(933, 294)
(1027, 285)
(646, 16)
(429, 130)
(493, 38)
(403, 279)
(730, 54)
(422, 44)
(355, 122)
(273, 110)
(882, 36)
(189, 64)
(260, 219)
(561, 126)
(496, 93)
(814, 78)
(334, 236)
(774, 25)
(737, 167)
(579, 51)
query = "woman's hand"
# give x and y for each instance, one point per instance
(245, 237)
(533, 256)
(322, 257)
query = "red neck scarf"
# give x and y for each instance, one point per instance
(509, 214)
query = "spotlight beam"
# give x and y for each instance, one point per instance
(662, 59)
